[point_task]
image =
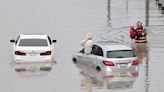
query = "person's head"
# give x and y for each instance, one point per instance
(139, 24)
(89, 36)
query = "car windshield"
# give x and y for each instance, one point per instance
(33, 42)
(120, 54)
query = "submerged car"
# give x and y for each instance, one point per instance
(108, 56)
(32, 51)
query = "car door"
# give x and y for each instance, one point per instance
(93, 58)
(98, 55)
(83, 58)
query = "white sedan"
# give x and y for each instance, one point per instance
(33, 48)
(108, 56)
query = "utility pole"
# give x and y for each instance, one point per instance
(147, 80)
(147, 12)
(109, 12)
(127, 6)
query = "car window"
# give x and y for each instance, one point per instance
(120, 54)
(33, 42)
(96, 50)
(82, 51)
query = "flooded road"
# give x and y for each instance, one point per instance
(69, 21)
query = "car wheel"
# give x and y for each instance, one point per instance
(98, 68)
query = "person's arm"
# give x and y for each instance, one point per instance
(82, 42)
(145, 32)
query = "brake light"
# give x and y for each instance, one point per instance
(135, 74)
(135, 62)
(20, 53)
(45, 53)
(108, 63)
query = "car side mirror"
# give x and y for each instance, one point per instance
(54, 41)
(12, 40)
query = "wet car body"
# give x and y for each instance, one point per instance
(108, 56)
(33, 52)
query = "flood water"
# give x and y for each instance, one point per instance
(68, 21)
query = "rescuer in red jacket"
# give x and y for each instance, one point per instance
(133, 32)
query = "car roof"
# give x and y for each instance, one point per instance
(33, 36)
(112, 45)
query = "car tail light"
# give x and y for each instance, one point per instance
(108, 63)
(20, 53)
(135, 74)
(45, 53)
(136, 62)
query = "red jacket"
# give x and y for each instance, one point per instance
(140, 29)
(133, 34)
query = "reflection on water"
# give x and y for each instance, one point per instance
(142, 51)
(87, 82)
(120, 80)
(147, 82)
(123, 81)
(32, 73)
(106, 80)
(31, 69)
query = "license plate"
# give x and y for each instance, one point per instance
(33, 68)
(32, 54)
(122, 65)
(124, 74)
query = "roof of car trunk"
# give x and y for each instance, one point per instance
(112, 45)
(36, 36)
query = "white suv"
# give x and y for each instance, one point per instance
(33, 48)
(108, 56)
